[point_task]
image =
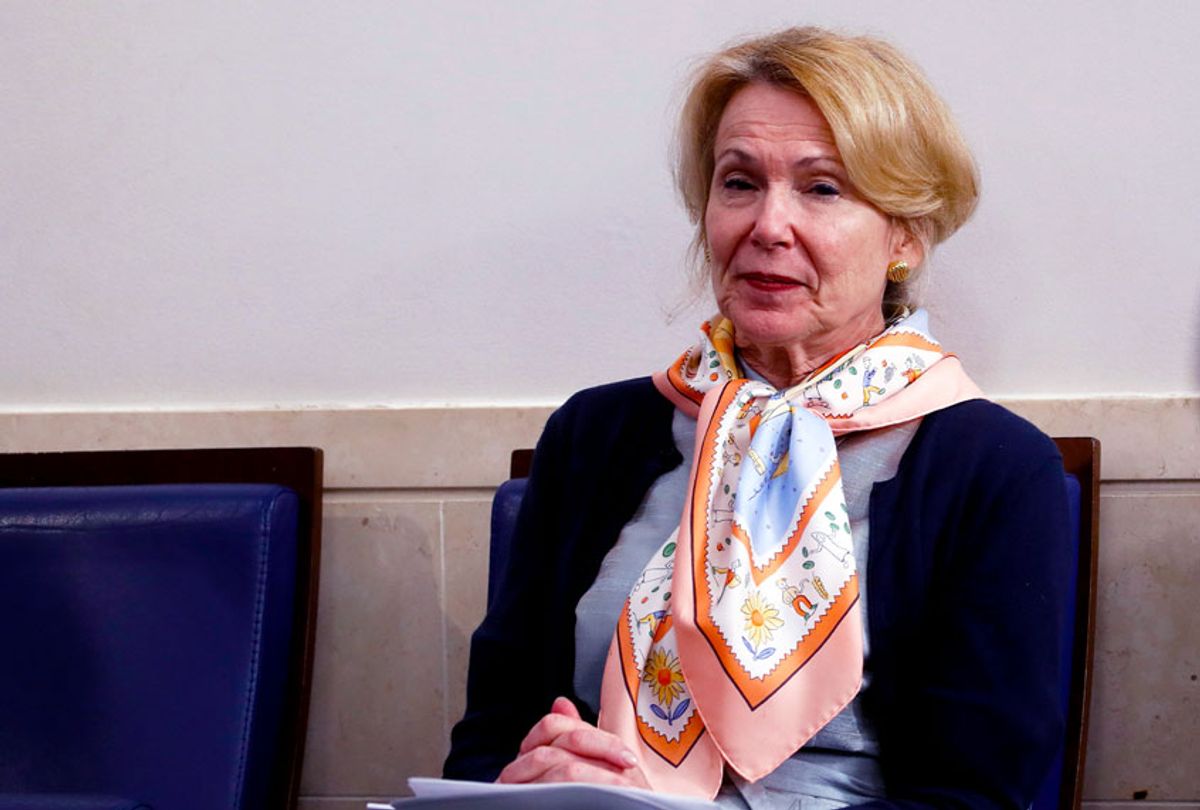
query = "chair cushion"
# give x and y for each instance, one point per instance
(1048, 795)
(59, 801)
(146, 632)
(505, 505)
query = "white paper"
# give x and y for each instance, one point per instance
(454, 793)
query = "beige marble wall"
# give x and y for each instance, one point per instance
(405, 564)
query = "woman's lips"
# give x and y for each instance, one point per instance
(767, 282)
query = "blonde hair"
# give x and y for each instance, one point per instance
(899, 144)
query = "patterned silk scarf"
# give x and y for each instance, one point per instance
(743, 635)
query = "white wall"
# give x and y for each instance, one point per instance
(289, 203)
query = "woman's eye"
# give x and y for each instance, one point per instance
(824, 189)
(738, 184)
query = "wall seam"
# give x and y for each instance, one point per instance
(443, 604)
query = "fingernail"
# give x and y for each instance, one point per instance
(629, 759)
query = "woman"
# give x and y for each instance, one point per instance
(859, 605)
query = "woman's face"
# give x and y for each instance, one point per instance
(799, 259)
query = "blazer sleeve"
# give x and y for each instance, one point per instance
(517, 659)
(972, 715)
(597, 457)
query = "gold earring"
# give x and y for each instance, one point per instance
(897, 272)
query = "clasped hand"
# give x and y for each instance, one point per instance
(561, 747)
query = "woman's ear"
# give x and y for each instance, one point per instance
(906, 247)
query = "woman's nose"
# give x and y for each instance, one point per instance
(773, 226)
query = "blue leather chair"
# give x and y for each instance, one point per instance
(1063, 787)
(157, 637)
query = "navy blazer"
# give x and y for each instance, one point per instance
(969, 542)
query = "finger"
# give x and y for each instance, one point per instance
(539, 764)
(561, 731)
(564, 728)
(565, 707)
(546, 730)
(592, 743)
(584, 770)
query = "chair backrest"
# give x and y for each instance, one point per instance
(159, 612)
(505, 505)
(1063, 787)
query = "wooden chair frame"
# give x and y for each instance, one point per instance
(1081, 458)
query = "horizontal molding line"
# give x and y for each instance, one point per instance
(467, 448)
(420, 494)
(1133, 488)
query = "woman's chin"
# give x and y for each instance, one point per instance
(763, 329)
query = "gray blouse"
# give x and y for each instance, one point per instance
(839, 765)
